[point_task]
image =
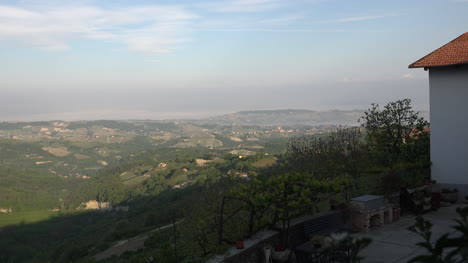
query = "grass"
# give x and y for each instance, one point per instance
(25, 217)
(265, 162)
(81, 156)
(57, 151)
(127, 176)
(135, 180)
(206, 140)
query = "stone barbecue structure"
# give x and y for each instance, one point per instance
(370, 211)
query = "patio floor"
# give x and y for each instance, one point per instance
(394, 243)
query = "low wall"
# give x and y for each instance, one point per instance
(296, 229)
(253, 248)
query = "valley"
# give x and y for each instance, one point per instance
(47, 168)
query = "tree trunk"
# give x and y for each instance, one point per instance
(221, 222)
(251, 221)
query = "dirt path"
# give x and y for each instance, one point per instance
(132, 244)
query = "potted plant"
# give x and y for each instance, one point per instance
(427, 197)
(240, 235)
(319, 241)
(289, 197)
(427, 205)
(220, 252)
(346, 247)
(418, 197)
(450, 195)
(267, 254)
(240, 244)
(280, 253)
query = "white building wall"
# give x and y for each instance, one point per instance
(449, 124)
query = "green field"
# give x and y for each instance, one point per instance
(25, 217)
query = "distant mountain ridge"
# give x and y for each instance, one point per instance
(288, 117)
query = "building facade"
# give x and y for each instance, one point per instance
(448, 91)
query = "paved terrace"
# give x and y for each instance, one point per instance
(394, 243)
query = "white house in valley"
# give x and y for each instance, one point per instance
(448, 89)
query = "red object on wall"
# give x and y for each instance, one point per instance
(240, 244)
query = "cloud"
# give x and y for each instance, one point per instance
(278, 30)
(153, 60)
(348, 80)
(12, 12)
(274, 23)
(149, 29)
(408, 76)
(156, 29)
(243, 6)
(282, 19)
(362, 18)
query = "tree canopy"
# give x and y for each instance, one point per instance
(391, 129)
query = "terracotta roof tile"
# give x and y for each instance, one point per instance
(453, 53)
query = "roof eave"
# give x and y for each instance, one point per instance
(436, 66)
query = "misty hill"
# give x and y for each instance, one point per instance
(288, 117)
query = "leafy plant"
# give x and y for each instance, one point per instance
(445, 249)
(344, 248)
(286, 196)
(340, 153)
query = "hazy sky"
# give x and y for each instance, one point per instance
(97, 59)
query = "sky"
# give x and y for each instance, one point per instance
(99, 59)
